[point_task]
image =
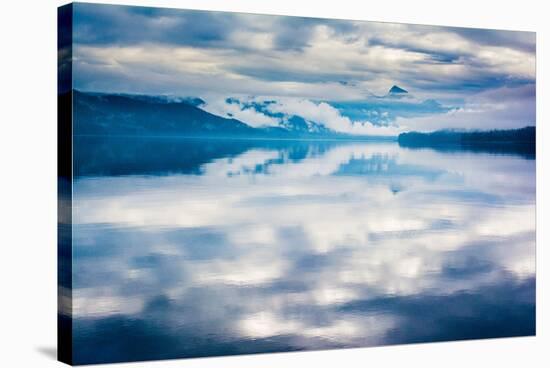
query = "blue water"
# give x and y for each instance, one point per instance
(187, 248)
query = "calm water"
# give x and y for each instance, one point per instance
(186, 248)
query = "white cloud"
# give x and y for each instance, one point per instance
(219, 106)
(501, 108)
(329, 116)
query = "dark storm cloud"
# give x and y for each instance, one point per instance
(124, 25)
(433, 54)
(523, 41)
(471, 83)
(278, 74)
(295, 33)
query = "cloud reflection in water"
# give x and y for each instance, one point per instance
(354, 244)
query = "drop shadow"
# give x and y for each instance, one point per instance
(48, 351)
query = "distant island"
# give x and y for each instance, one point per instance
(521, 140)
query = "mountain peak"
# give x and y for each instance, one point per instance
(396, 90)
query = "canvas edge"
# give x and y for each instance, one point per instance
(64, 184)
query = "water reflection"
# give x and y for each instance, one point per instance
(213, 247)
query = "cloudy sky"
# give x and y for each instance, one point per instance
(331, 72)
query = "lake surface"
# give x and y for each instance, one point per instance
(188, 248)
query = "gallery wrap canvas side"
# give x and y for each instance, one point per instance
(64, 183)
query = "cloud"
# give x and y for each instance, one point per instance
(522, 41)
(263, 111)
(198, 53)
(115, 25)
(198, 257)
(327, 115)
(295, 33)
(502, 108)
(474, 52)
(223, 107)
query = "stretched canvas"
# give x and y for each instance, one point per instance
(238, 183)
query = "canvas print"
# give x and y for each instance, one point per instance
(239, 183)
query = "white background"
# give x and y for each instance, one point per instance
(28, 182)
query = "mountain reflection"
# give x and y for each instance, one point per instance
(193, 248)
